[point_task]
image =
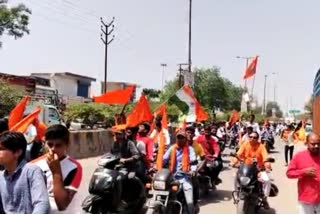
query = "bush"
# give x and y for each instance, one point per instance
(9, 97)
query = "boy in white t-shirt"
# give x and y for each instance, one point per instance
(63, 173)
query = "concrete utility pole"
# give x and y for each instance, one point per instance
(105, 39)
(164, 65)
(181, 70)
(190, 33)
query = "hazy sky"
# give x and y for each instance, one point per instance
(65, 37)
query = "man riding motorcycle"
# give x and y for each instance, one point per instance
(267, 134)
(255, 150)
(200, 155)
(212, 151)
(181, 158)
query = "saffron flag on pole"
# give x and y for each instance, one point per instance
(120, 96)
(16, 114)
(23, 125)
(251, 69)
(162, 110)
(196, 111)
(234, 117)
(140, 113)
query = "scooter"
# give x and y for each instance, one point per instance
(113, 189)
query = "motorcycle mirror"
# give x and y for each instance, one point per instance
(270, 160)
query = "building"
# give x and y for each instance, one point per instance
(25, 84)
(65, 84)
(119, 85)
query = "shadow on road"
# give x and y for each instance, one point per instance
(216, 197)
(269, 211)
(274, 152)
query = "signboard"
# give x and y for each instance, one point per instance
(188, 78)
(294, 111)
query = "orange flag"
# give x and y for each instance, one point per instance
(251, 69)
(22, 126)
(202, 115)
(16, 114)
(234, 117)
(140, 113)
(162, 110)
(41, 129)
(121, 96)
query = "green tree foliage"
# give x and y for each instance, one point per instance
(151, 93)
(14, 21)
(211, 89)
(309, 106)
(9, 97)
(273, 105)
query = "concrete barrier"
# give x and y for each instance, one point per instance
(89, 143)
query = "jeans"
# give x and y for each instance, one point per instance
(288, 150)
(188, 193)
(309, 208)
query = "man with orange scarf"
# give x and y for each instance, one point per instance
(181, 159)
(161, 140)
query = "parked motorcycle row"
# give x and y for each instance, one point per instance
(114, 189)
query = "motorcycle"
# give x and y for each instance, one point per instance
(205, 181)
(268, 142)
(113, 189)
(248, 194)
(167, 196)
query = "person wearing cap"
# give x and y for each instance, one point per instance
(127, 150)
(129, 157)
(181, 159)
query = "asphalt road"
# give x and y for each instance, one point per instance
(220, 201)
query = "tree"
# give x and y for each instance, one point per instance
(151, 93)
(273, 105)
(309, 106)
(14, 21)
(9, 97)
(211, 89)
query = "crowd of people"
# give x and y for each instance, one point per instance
(48, 183)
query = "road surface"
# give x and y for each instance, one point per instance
(220, 201)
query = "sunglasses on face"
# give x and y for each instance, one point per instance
(253, 137)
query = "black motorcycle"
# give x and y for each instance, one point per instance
(268, 142)
(167, 196)
(205, 177)
(113, 189)
(248, 194)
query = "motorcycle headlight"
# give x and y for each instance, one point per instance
(244, 181)
(159, 185)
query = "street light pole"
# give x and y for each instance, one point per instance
(164, 65)
(264, 95)
(274, 86)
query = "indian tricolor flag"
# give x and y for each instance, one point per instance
(195, 113)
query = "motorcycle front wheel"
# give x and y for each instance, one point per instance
(245, 207)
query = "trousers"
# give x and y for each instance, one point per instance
(309, 208)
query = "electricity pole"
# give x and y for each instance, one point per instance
(105, 33)
(190, 32)
(181, 74)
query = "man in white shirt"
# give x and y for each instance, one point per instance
(253, 124)
(158, 131)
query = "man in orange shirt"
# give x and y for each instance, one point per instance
(255, 150)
